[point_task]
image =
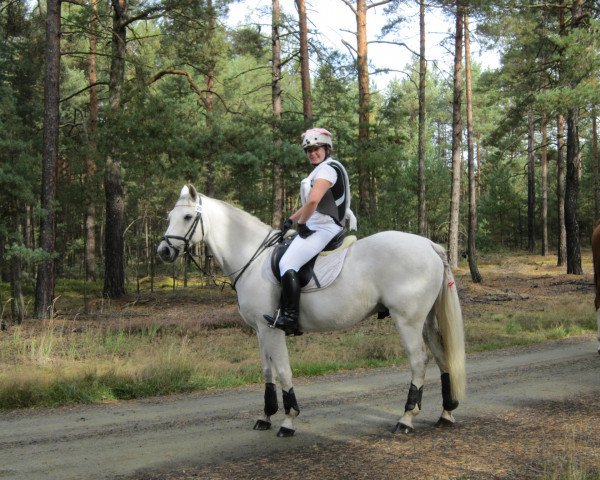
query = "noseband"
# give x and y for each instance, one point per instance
(189, 234)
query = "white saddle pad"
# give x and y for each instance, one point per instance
(327, 268)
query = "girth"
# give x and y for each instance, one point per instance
(306, 272)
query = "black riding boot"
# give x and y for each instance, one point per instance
(286, 317)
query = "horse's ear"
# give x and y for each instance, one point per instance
(185, 191)
(193, 192)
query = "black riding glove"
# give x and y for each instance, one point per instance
(304, 231)
(286, 225)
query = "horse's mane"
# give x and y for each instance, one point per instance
(240, 213)
(190, 197)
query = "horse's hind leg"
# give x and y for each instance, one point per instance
(414, 346)
(434, 342)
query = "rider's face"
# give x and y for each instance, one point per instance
(315, 154)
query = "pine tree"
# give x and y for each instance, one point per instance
(44, 291)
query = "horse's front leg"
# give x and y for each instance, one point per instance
(275, 358)
(271, 407)
(271, 404)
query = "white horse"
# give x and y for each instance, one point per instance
(404, 274)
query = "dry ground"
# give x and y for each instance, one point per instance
(541, 440)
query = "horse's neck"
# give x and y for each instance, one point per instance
(233, 235)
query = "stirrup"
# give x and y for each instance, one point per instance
(272, 322)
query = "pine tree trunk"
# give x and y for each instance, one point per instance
(595, 160)
(572, 193)
(16, 288)
(90, 219)
(114, 276)
(114, 258)
(304, 66)
(456, 140)
(475, 275)
(44, 291)
(530, 184)
(422, 215)
(573, 170)
(364, 106)
(560, 164)
(90, 241)
(544, 166)
(16, 274)
(208, 101)
(277, 108)
(209, 184)
(560, 191)
(479, 158)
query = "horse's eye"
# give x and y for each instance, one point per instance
(188, 217)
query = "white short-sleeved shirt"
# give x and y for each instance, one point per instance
(326, 172)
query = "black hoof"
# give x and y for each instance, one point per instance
(262, 425)
(401, 428)
(444, 423)
(285, 432)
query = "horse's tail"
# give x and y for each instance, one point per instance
(450, 324)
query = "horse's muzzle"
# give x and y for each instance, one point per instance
(166, 252)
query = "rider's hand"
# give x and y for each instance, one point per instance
(286, 225)
(304, 231)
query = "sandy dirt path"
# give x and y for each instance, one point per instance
(190, 436)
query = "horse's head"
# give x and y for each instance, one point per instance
(186, 226)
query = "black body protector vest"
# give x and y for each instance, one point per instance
(334, 202)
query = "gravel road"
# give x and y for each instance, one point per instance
(143, 438)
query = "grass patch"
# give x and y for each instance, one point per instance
(93, 387)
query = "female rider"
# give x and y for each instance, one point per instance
(325, 197)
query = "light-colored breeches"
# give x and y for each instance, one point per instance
(302, 250)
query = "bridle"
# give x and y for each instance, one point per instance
(272, 238)
(189, 234)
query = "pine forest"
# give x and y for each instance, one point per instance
(109, 107)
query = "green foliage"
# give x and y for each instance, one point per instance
(26, 255)
(248, 41)
(196, 107)
(503, 205)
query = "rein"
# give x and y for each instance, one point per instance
(271, 239)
